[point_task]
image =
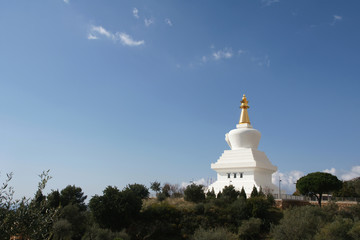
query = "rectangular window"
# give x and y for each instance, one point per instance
(234, 175)
(228, 175)
(241, 175)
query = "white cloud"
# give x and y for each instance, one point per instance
(345, 174)
(148, 21)
(336, 18)
(136, 13)
(128, 41)
(168, 22)
(92, 37)
(225, 53)
(67, 1)
(269, 2)
(125, 39)
(201, 181)
(102, 31)
(288, 180)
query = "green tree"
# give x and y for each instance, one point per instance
(242, 193)
(115, 209)
(318, 183)
(229, 193)
(194, 193)
(211, 194)
(139, 189)
(73, 195)
(254, 192)
(250, 229)
(299, 223)
(213, 234)
(155, 186)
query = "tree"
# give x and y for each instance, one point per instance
(318, 183)
(139, 189)
(211, 194)
(73, 195)
(254, 192)
(229, 193)
(155, 186)
(242, 193)
(115, 209)
(194, 193)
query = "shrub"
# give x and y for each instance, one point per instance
(194, 193)
(213, 234)
(250, 229)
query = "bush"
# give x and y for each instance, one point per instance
(213, 234)
(194, 193)
(250, 229)
(337, 230)
(299, 223)
(229, 193)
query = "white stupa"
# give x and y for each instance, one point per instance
(244, 165)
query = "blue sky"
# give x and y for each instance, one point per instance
(117, 92)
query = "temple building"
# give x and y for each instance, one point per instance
(244, 165)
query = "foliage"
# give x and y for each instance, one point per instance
(250, 229)
(30, 218)
(158, 221)
(349, 188)
(96, 233)
(73, 195)
(213, 234)
(229, 193)
(254, 192)
(194, 193)
(299, 223)
(243, 193)
(155, 186)
(139, 190)
(337, 230)
(318, 183)
(211, 194)
(115, 209)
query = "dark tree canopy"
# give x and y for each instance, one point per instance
(230, 193)
(115, 209)
(139, 189)
(254, 192)
(73, 195)
(194, 193)
(318, 183)
(242, 193)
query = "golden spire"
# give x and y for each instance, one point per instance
(244, 118)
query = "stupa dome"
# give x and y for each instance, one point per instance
(244, 136)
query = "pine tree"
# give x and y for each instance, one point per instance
(242, 193)
(254, 192)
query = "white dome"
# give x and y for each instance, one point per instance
(244, 136)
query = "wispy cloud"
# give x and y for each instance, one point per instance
(220, 54)
(92, 37)
(148, 21)
(168, 22)
(267, 3)
(336, 18)
(136, 13)
(128, 41)
(98, 31)
(67, 1)
(263, 61)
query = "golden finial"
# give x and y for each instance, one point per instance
(244, 118)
